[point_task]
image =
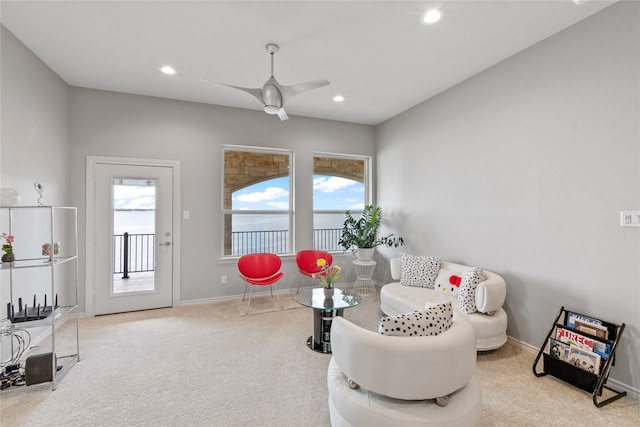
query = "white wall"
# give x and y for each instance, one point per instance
(34, 145)
(523, 170)
(35, 131)
(121, 125)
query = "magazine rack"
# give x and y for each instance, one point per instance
(587, 381)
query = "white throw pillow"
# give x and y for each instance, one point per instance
(448, 282)
(467, 292)
(419, 270)
(433, 320)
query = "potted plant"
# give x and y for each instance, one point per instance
(7, 247)
(361, 236)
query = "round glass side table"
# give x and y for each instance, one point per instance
(327, 304)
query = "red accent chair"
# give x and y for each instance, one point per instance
(260, 270)
(307, 263)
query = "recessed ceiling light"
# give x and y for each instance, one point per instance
(168, 70)
(338, 98)
(579, 2)
(431, 17)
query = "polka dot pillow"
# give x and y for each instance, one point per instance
(467, 292)
(419, 270)
(433, 320)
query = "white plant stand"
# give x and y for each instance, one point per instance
(364, 271)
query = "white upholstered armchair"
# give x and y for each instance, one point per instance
(376, 379)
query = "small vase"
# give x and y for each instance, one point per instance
(328, 292)
(9, 196)
(8, 258)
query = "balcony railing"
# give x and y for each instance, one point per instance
(326, 239)
(136, 252)
(133, 253)
(246, 242)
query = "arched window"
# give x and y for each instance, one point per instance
(340, 183)
(257, 201)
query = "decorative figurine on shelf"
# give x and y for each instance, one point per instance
(46, 249)
(327, 276)
(7, 247)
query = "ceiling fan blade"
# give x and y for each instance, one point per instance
(255, 92)
(289, 91)
(283, 114)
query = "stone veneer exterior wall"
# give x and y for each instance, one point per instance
(245, 168)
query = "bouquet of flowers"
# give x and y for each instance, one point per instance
(328, 275)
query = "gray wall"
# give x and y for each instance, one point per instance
(35, 130)
(34, 145)
(523, 170)
(121, 125)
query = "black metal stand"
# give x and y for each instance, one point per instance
(580, 378)
(320, 341)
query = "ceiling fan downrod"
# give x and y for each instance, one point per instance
(272, 49)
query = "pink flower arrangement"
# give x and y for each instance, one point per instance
(7, 247)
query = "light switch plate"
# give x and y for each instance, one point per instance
(629, 218)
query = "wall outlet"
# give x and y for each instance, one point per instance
(223, 279)
(629, 218)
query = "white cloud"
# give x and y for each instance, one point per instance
(134, 197)
(270, 193)
(356, 207)
(331, 184)
(278, 205)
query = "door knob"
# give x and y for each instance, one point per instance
(165, 244)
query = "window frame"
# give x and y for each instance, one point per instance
(289, 211)
(367, 182)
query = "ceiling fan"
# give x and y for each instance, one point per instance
(273, 95)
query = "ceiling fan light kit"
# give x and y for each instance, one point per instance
(273, 95)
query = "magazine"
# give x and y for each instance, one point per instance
(583, 359)
(570, 337)
(587, 325)
(575, 339)
(559, 350)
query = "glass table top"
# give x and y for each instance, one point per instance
(317, 299)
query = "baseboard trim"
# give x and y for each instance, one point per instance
(234, 297)
(632, 393)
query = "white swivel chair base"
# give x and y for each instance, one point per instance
(358, 407)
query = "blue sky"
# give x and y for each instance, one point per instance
(329, 193)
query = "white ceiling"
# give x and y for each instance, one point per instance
(375, 53)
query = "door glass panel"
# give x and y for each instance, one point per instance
(134, 232)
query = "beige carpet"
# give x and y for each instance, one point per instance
(205, 365)
(265, 304)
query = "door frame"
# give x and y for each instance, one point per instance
(90, 223)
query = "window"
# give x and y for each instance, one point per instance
(257, 201)
(339, 183)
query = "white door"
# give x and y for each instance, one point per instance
(133, 271)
